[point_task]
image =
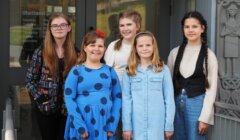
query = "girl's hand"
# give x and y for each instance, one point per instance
(109, 134)
(127, 135)
(168, 134)
(203, 128)
(84, 135)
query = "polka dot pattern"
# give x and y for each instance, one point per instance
(93, 121)
(102, 112)
(105, 128)
(81, 130)
(96, 133)
(92, 100)
(103, 76)
(98, 86)
(75, 72)
(68, 91)
(80, 79)
(72, 125)
(85, 93)
(87, 109)
(77, 110)
(119, 95)
(104, 100)
(111, 119)
(114, 82)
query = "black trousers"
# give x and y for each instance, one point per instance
(51, 126)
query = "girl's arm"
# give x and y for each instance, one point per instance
(169, 103)
(33, 74)
(70, 93)
(116, 94)
(207, 112)
(127, 103)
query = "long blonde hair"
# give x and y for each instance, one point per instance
(134, 58)
(49, 53)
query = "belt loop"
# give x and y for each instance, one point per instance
(183, 91)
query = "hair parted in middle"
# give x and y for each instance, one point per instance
(49, 52)
(134, 59)
(198, 16)
(90, 38)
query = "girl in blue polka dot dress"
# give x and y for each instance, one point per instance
(92, 94)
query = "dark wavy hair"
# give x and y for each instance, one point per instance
(198, 16)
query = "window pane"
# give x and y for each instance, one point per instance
(28, 25)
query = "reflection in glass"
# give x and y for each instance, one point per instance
(28, 25)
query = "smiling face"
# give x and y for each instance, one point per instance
(95, 51)
(128, 28)
(144, 47)
(59, 28)
(192, 30)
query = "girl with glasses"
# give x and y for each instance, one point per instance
(46, 75)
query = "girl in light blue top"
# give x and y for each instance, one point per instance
(148, 106)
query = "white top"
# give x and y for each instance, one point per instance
(187, 68)
(118, 59)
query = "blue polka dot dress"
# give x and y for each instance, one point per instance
(93, 99)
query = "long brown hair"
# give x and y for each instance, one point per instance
(49, 53)
(131, 14)
(134, 58)
(89, 38)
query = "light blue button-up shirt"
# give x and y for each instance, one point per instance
(148, 106)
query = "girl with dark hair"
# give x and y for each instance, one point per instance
(46, 74)
(194, 68)
(118, 51)
(148, 101)
(92, 94)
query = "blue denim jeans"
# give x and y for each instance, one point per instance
(186, 117)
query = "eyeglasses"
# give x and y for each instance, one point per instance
(62, 26)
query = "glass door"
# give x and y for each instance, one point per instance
(27, 26)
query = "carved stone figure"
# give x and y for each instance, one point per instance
(231, 34)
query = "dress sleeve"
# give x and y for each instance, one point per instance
(109, 55)
(169, 103)
(127, 103)
(116, 94)
(70, 94)
(207, 113)
(33, 74)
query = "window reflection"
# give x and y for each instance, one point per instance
(28, 24)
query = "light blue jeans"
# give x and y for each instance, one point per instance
(186, 117)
